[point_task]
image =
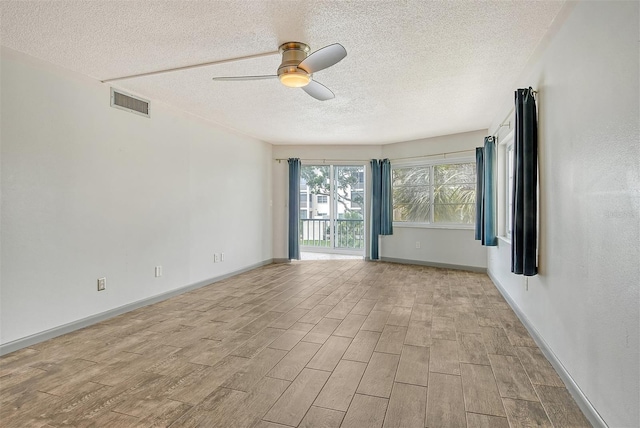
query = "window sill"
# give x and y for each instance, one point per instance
(505, 239)
(434, 226)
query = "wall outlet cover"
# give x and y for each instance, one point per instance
(102, 284)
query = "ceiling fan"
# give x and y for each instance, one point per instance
(297, 68)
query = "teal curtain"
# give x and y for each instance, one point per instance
(381, 203)
(386, 202)
(376, 202)
(479, 191)
(489, 193)
(294, 208)
(486, 193)
(524, 228)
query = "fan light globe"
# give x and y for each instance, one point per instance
(297, 67)
(295, 79)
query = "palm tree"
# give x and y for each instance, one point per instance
(411, 194)
(454, 193)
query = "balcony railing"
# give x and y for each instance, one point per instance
(349, 234)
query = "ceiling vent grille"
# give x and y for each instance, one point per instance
(129, 103)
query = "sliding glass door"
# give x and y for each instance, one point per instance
(332, 208)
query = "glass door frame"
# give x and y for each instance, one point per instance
(332, 249)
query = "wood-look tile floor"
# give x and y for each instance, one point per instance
(308, 344)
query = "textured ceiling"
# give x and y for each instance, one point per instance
(414, 69)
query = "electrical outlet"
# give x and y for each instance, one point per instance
(158, 271)
(216, 258)
(221, 257)
(102, 284)
(417, 244)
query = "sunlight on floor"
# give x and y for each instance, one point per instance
(327, 256)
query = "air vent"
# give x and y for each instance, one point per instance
(130, 103)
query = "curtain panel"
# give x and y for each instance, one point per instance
(294, 208)
(486, 193)
(479, 191)
(489, 193)
(381, 203)
(376, 202)
(524, 227)
(386, 205)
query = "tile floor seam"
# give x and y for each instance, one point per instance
(242, 301)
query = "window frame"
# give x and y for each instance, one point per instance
(504, 198)
(508, 189)
(431, 163)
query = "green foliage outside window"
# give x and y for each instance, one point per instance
(349, 212)
(347, 182)
(444, 193)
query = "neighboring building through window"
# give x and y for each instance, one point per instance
(442, 193)
(360, 183)
(305, 205)
(322, 199)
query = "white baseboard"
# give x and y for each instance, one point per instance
(434, 264)
(581, 400)
(24, 342)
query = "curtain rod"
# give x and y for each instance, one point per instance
(325, 160)
(508, 124)
(504, 123)
(436, 154)
(392, 159)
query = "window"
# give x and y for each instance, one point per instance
(509, 190)
(303, 200)
(322, 199)
(454, 193)
(360, 183)
(439, 193)
(412, 194)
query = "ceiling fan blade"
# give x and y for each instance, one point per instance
(323, 58)
(318, 91)
(238, 78)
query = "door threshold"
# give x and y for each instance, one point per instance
(328, 256)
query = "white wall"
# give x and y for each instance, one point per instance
(585, 302)
(437, 245)
(91, 191)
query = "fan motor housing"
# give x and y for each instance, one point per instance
(293, 53)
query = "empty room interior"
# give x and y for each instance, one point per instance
(280, 214)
